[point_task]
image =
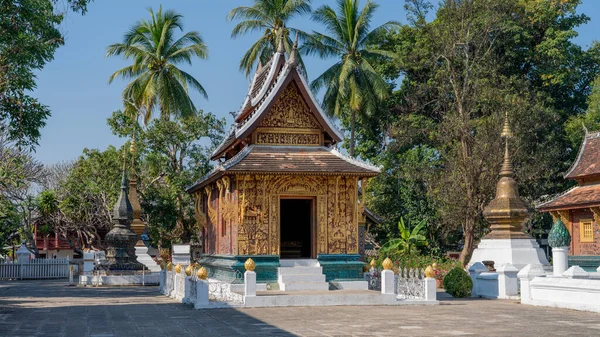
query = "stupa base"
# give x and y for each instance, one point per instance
(143, 257)
(518, 252)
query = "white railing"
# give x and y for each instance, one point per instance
(35, 269)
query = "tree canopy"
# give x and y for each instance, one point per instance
(157, 83)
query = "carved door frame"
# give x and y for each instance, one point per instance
(314, 221)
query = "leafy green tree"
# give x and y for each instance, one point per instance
(590, 120)
(460, 72)
(270, 17)
(157, 82)
(173, 155)
(351, 83)
(29, 37)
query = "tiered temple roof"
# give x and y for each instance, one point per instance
(248, 151)
(265, 87)
(586, 171)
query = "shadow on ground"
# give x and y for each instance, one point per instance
(52, 308)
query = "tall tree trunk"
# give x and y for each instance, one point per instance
(471, 209)
(469, 238)
(352, 131)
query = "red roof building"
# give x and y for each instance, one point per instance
(579, 207)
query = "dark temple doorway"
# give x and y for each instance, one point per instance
(295, 223)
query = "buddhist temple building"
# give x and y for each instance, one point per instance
(281, 190)
(579, 207)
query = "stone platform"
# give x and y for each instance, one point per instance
(129, 279)
(326, 298)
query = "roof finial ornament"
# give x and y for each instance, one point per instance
(293, 61)
(507, 169)
(259, 67)
(280, 45)
(122, 209)
(584, 128)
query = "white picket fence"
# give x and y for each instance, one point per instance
(35, 269)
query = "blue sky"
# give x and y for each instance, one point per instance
(75, 84)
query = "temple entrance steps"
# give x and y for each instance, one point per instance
(301, 275)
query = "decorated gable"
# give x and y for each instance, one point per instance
(289, 122)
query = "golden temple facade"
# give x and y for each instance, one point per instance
(281, 189)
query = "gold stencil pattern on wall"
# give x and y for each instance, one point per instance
(227, 204)
(212, 211)
(198, 213)
(290, 111)
(335, 212)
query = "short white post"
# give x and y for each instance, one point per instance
(201, 294)
(187, 289)
(474, 270)
(526, 275)
(23, 256)
(387, 282)
(430, 291)
(161, 281)
(560, 262)
(507, 281)
(70, 275)
(249, 284)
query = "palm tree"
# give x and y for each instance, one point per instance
(156, 80)
(270, 17)
(352, 83)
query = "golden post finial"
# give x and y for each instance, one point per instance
(250, 265)
(387, 264)
(429, 272)
(202, 273)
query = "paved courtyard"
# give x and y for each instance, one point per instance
(51, 308)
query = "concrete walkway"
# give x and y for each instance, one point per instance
(51, 308)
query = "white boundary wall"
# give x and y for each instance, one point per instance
(574, 289)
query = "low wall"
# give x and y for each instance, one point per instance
(486, 285)
(575, 289)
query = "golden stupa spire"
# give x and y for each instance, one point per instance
(507, 168)
(132, 149)
(507, 212)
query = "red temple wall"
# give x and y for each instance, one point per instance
(583, 248)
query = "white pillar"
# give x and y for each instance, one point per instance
(474, 270)
(430, 291)
(201, 294)
(525, 276)
(187, 289)
(162, 278)
(560, 262)
(23, 254)
(249, 284)
(507, 281)
(88, 263)
(179, 292)
(387, 282)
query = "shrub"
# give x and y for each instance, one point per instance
(458, 283)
